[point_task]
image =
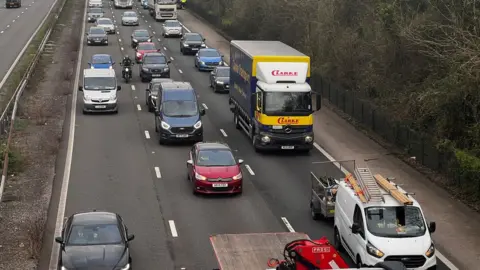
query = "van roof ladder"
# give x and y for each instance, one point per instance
(368, 184)
(391, 188)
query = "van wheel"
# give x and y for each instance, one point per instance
(235, 120)
(315, 216)
(337, 242)
(359, 262)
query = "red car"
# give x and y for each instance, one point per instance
(212, 168)
(143, 48)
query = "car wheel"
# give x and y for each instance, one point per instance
(84, 112)
(359, 262)
(181, 50)
(337, 242)
(150, 108)
(156, 127)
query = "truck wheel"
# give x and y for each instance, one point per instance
(235, 120)
(254, 141)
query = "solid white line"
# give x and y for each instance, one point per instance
(147, 134)
(249, 169)
(139, 107)
(180, 71)
(184, 27)
(173, 228)
(133, 87)
(287, 224)
(205, 106)
(324, 152)
(157, 172)
(171, 58)
(62, 203)
(223, 133)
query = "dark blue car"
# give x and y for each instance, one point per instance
(208, 59)
(101, 61)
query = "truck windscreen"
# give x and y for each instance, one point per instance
(287, 103)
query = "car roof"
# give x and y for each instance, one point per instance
(222, 67)
(91, 218)
(98, 73)
(101, 55)
(97, 27)
(192, 34)
(154, 54)
(160, 80)
(212, 146)
(176, 86)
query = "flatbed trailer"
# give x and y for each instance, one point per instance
(253, 251)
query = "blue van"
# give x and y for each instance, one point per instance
(145, 4)
(178, 116)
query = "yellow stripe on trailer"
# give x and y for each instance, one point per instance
(275, 58)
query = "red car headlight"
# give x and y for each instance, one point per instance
(238, 176)
(139, 54)
(200, 177)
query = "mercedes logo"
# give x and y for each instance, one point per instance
(288, 129)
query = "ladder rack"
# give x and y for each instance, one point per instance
(368, 184)
(391, 188)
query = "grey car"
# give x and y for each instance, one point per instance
(139, 36)
(191, 43)
(107, 24)
(220, 79)
(130, 18)
(172, 28)
(94, 13)
(97, 36)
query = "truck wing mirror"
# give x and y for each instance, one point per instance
(80, 88)
(432, 227)
(59, 240)
(119, 88)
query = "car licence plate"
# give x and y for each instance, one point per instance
(288, 147)
(220, 185)
(156, 75)
(182, 135)
(194, 49)
(100, 107)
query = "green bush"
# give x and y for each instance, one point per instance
(15, 160)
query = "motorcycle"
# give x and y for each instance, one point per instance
(180, 5)
(127, 73)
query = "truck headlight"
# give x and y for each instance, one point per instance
(237, 177)
(200, 177)
(165, 125)
(308, 139)
(198, 124)
(148, 40)
(265, 139)
(139, 54)
(431, 251)
(126, 267)
(219, 82)
(375, 252)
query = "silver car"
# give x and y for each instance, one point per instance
(130, 18)
(172, 28)
(107, 24)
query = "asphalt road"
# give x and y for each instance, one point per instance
(17, 26)
(119, 166)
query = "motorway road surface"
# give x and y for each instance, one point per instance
(119, 166)
(17, 26)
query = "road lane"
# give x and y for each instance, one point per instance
(283, 181)
(111, 171)
(17, 26)
(196, 217)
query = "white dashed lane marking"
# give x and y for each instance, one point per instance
(157, 172)
(173, 229)
(249, 169)
(133, 87)
(205, 106)
(147, 134)
(223, 133)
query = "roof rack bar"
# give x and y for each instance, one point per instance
(391, 188)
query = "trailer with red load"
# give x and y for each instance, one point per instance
(263, 251)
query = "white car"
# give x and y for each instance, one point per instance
(130, 18)
(95, 3)
(107, 24)
(172, 28)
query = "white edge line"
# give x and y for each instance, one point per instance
(223, 133)
(249, 169)
(62, 203)
(157, 172)
(173, 229)
(287, 224)
(444, 259)
(147, 134)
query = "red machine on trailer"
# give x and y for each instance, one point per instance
(261, 250)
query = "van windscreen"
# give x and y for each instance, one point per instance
(99, 83)
(395, 221)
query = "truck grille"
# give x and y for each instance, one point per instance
(182, 129)
(410, 261)
(294, 130)
(166, 9)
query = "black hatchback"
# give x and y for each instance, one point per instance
(154, 65)
(13, 3)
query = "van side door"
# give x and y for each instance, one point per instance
(358, 240)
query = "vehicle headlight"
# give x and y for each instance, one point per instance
(202, 63)
(375, 252)
(139, 54)
(166, 69)
(431, 251)
(113, 97)
(63, 268)
(134, 40)
(87, 98)
(219, 82)
(110, 67)
(145, 69)
(148, 40)
(200, 177)
(92, 67)
(185, 44)
(238, 176)
(165, 125)
(198, 124)
(308, 139)
(203, 45)
(266, 139)
(154, 97)
(126, 267)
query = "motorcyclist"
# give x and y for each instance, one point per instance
(127, 63)
(182, 3)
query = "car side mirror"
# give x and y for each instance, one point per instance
(202, 112)
(119, 87)
(240, 161)
(59, 240)
(204, 40)
(169, 61)
(130, 237)
(355, 228)
(89, 63)
(222, 55)
(80, 88)
(147, 90)
(432, 227)
(189, 162)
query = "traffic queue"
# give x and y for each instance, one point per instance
(272, 92)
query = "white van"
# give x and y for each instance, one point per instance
(99, 90)
(374, 225)
(95, 3)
